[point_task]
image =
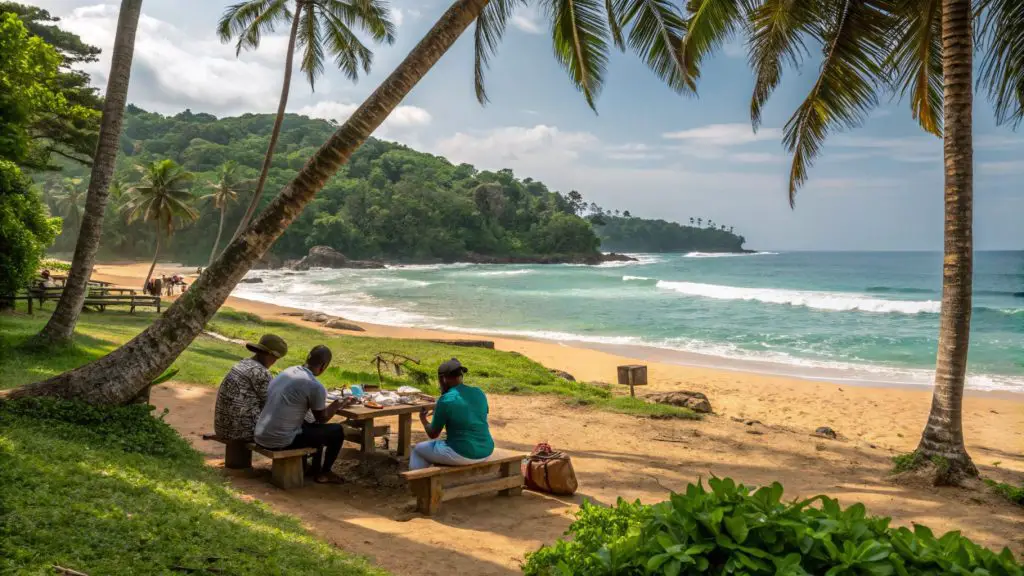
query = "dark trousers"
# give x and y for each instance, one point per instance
(326, 438)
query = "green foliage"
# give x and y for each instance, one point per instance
(733, 529)
(116, 491)
(640, 235)
(161, 196)
(915, 460)
(25, 229)
(28, 77)
(51, 265)
(1012, 493)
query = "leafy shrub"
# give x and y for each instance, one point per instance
(731, 529)
(130, 428)
(51, 265)
(1012, 493)
(914, 460)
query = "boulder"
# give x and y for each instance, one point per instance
(683, 398)
(826, 432)
(342, 324)
(318, 317)
(563, 375)
(254, 280)
(489, 344)
(327, 257)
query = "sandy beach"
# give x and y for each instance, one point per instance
(623, 456)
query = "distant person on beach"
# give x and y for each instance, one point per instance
(282, 424)
(461, 412)
(243, 392)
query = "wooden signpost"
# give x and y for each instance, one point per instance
(633, 375)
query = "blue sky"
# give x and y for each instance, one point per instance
(648, 150)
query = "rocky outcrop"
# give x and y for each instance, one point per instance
(327, 257)
(683, 398)
(253, 280)
(489, 344)
(563, 375)
(342, 324)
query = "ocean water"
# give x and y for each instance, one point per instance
(860, 317)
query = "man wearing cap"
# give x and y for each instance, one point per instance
(461, 412)
(243, 392)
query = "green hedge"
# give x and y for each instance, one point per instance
(731, 529)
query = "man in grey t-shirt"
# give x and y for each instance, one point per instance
(290, 395)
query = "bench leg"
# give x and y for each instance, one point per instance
(368, 441)
(509, 469)
(286, 473)
(428, 493)
(237, 455)
(404, 435)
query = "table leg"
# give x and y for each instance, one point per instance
(368, 442)
(404, 435)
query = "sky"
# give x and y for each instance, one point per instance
(647, 149)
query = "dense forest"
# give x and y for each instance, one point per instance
(389, 202)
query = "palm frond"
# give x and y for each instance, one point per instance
(709, 25)
(580, 37)
(855, 46)
(311, 40)
(916, 60)
(490, 27)
(1002, 67)
(777, 32)
(370, 16)
(615, 24)
(250, 20)
(350, 54)
(656, 35)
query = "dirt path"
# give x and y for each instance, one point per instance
(614, 456)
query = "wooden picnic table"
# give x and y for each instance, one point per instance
(365, 417)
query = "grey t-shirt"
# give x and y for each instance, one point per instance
(289, 396)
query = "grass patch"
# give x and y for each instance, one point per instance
(116, 491)
(914, 461)
(1012, 493)
(207, 360)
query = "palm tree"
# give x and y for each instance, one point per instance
(700, 222)
(162, 197)
(225, 192)
(926, 46)
(691, 221)
(581, 32)
(68, 202)
(61, 324)
(320, 28)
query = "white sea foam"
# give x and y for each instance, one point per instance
(838, 301)
(503, 273)
(635, 278)
(726, 254)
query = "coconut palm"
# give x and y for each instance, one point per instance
(61, 324)
(161, 197)
(320, 28)
(225, 192)
(926, 47)
(583, 32)
(68, 202)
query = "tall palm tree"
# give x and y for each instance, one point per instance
(581, 33)
(225, 192)
(927, 47)
(320, 28)
(61, 324)
(162, 197)
(68, 202)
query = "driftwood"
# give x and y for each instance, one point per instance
(393, 361)
(68, 571)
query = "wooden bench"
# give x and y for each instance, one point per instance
(286, 470)
(501, 473)
(132, 301)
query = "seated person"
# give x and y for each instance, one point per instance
(461, 412)
(243, 392)
(291, 394)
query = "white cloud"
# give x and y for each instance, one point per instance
(755, 157)
(397, 16)
(633, 151)
(403, 119)
(510, 145)
(528, 19)
(1001, 167)
(724, 134)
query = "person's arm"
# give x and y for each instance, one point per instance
(324, 416)
(434, 427)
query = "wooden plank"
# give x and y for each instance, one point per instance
(287, 473)
(276, 454)
(358, 412)
(405, 435)
(495, 485)
(512, 470)
(499, 457)
(367, 444)
(428, 495)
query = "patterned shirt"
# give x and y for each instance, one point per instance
(240, 398)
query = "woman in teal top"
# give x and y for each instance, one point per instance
(461, 412)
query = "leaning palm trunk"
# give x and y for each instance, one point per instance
(943, 437)
(275, 133)
(61, 325)
(152, 266)
(220, 230)
(122, 374)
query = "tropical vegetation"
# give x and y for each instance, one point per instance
(734, 529)
(921, 49)
(629, 234)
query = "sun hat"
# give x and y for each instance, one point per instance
(451, 366)
(271, 344)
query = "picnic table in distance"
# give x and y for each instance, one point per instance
(364, 415)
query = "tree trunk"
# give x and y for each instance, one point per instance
(943, 438)
(278, 121)
(156, 254)
(220, 229)
(121, 375)
(61, 324)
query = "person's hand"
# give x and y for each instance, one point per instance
(425, 413)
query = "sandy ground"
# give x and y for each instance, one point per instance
(618, 455)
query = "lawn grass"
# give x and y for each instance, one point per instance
(76, 495)
(208, 359)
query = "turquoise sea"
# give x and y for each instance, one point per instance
(867, 317)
